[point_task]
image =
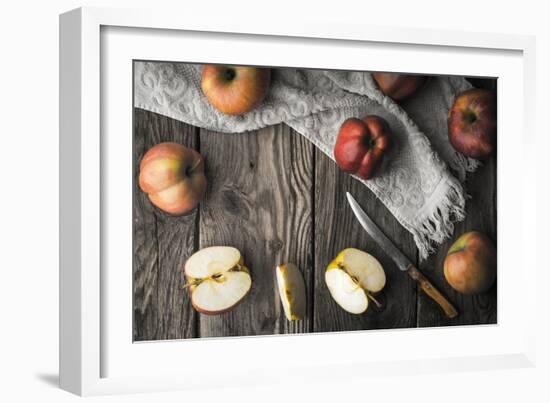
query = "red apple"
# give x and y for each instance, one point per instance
(472, 123)
(398, 86)
(173, 177)
(235, 90)
(471, 263)
(361, 145)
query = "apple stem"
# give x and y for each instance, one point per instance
(378, 304)
(229, 74)
(216, 277)
(190, 170)
(191, 284)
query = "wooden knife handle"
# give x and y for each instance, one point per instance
(432, 292)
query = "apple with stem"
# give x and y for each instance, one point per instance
(292, 291)
(217, 279)
(352, 278)
(173, 177)
(472, 123)
(235, 90)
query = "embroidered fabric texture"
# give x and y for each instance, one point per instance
(416, 185)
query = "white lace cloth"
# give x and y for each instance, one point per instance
(416, 184)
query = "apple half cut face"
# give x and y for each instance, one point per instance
(352, 277)
(292, 291)
(217, 279)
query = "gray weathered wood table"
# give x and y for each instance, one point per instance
(276, 198)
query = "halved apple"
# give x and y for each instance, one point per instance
(292, 291)
(217, 278)
(352, 277)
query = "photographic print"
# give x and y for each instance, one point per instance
(283, 200)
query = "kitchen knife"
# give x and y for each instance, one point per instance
(400, 259)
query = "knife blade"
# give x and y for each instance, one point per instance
(402, 262)
(368, 225)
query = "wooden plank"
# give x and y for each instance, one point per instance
(162, 243)
(259, 201)
(480, 216)
(337, 228)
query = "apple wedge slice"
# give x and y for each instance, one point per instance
(217, 279)
(292, 291)
(352, 277)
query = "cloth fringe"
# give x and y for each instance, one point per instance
(438, 226)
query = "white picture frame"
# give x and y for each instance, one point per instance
(96, 354)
